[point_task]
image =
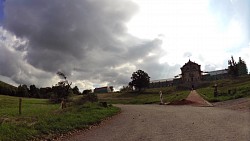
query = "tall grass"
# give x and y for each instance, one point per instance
(227, 89)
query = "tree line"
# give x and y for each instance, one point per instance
(55, 93)
(33, 92)
(237, 69)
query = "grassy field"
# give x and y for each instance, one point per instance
(41, 119)
(228, 89)
(148, 96)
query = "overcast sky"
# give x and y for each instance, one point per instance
(102, 42)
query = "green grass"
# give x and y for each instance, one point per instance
(148, 96)
(238, 88)
(41, 119)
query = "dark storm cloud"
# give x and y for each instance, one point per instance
(1, 11)
(13, 66)
(85, 39)
(65, 31)
(8, 58)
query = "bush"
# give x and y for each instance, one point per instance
(54, 98)
(92, 97)
(86, 91)
(80, 101)
(103, 104)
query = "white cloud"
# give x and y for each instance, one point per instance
(211, 31)
(94, 45)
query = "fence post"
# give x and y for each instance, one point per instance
(20, 106)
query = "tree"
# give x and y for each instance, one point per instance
(232, 68)
(22, 91)
(34, 91)
(86, 91)
(126, 89)
(76, 90)
(237, 69)
(63, 86)
(140, 79)
(65, 82)
(111, 88)
(44, 92)
(242, 67)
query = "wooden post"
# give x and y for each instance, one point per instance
(215, 90)
(63, 103)
(20, 106)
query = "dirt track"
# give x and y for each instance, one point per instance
(165, 122)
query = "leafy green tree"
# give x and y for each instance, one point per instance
(44, 92)
(22, 91)
(76, 90)
(242, 67)
(59, 93)
(34, 91)
(65, 82)
(86, 91)
(126, 89)
(61, 90)
(140, 79)
(237, 69)
(7, 89)
(111, 88)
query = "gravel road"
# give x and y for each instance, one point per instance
(241, 104)
(165, 122)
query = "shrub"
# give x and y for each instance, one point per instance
(92, 97)
(80, 101)
(86, 91)
(54, 98)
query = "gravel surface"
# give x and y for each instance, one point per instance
(168, 122)
(241, 104)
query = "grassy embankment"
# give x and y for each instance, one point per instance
(41, 119)
(228, 89)
(148, 96)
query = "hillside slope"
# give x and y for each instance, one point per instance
(227, 89)
(7, 89)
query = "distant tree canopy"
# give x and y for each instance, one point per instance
(86, 91)
(23, 91)
(7, 89)
(126, 89)
(34, 91)
(111, 88)
(57, 92)
(61, 90)
(140, 79)
(237, 69)
(76, 90)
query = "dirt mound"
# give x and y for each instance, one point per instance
(182, 102)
